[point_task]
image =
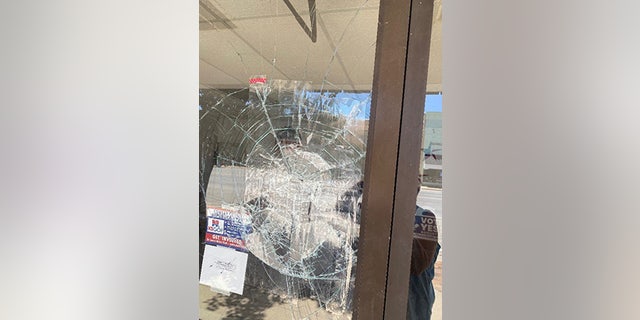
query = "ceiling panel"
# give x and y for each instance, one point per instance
(252, 37)
(434, 75)
(351, 34)
(261, 9)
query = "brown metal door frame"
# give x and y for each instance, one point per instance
(393, 159)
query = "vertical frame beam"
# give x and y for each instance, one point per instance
(381, 159)
(392, 161)
(409, 158)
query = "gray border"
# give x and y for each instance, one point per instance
(99, 165)
(540, 111)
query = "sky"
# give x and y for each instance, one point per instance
(433, 103)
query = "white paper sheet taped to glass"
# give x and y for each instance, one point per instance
(223, 269)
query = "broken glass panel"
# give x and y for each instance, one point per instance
(292, 159)
(284, 108)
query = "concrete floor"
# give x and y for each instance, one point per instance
(257, 304)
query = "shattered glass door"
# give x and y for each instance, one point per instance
(284, 108)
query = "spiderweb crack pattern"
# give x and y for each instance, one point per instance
(292, 159)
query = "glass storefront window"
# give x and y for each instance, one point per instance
(284, 108)
(285, 105)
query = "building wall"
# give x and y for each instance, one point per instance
(432, 133)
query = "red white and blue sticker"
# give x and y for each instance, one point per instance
(227, 228)
(215, 226)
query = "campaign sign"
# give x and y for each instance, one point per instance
(425, 227)
(227, 228)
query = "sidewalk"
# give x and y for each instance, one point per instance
(257, 304)
(437, 284)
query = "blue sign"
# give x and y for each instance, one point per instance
(425, 226)
(227, 228)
